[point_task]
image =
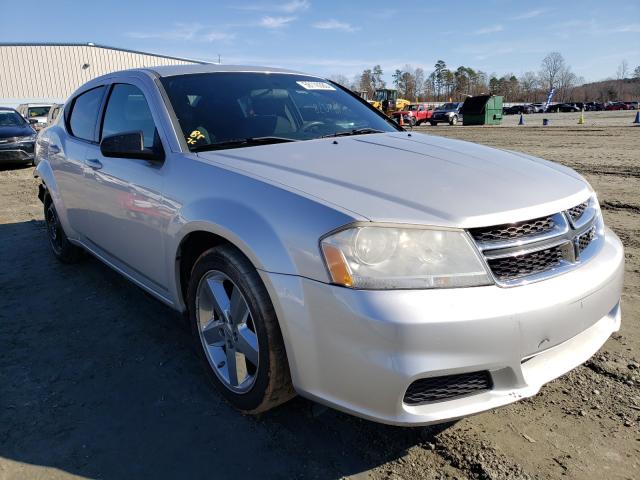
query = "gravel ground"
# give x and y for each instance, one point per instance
(98, 380)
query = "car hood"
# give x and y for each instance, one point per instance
(17, 131)
(413, 178)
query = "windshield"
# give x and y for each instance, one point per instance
(226, 107)
(448, 106)
(11, 119)
(38, 111)
(412, 108)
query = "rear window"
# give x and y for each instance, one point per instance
(38, 111)
(84, 113)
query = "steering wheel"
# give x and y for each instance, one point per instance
(310, 125)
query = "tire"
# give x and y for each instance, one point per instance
(61, 247)
(412, 122)
(453, 120)
(433, 124)
(244, 356)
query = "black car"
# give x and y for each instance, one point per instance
(17, 137)
(447, 113)
(562, 107)
(518, 109)
(593, 106)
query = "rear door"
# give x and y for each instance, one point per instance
(129, 216)
(67, 155)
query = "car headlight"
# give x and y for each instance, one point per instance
(28, 138)
(388, 257)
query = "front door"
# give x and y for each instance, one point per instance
(129, 216)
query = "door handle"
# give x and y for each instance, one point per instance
(93, 163)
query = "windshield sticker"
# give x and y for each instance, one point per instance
(315, 85)
(193, 138)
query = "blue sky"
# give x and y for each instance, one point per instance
(343, 37)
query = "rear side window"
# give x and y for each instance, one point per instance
(84, 114)
(128, 111)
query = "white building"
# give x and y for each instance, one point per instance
(50, 72)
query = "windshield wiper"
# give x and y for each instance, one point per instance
(357, 131)
(241, 142)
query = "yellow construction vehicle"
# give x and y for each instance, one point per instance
(386, 99)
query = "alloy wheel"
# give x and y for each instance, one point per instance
(227, 331)
(53, 229)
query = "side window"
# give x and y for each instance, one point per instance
(128, 111)
(84, 113)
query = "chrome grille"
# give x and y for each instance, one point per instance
(576, 212)
(510, 268)
(513, 230)
(449, 387)
(585, 239)
(535, 249)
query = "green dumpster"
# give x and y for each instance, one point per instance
(482, 110)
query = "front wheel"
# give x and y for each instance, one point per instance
(236, 331)
(453, 120)
(433, 124)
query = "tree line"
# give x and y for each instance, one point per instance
(444, 83)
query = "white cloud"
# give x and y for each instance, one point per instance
(186, 32)
(632, 28)
(287, 7)
(275, 22)
(333, 24)
(488, 30)
(530, 14)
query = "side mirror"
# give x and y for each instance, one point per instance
(33, 121)
(128, 145)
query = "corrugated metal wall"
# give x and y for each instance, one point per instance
(49, 72)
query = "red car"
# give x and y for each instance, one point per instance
(617, 106)
(414, 114)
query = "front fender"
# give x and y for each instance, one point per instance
(241, 225)
(276, 229)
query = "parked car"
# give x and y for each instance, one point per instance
(593, 106)
(518, 109)
(35, 111)
(17, 137)
(562, 107)
(632, 105)
(414, 114)
(318, 248)
(54, 111)
(617, 106)
(447, 113)
(538, 107)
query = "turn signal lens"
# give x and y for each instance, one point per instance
(337, 265)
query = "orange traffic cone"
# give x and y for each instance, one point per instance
(401, 121)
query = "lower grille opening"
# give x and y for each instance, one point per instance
(448, 387)
(510, 268)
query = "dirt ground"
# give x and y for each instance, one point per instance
(98, 380)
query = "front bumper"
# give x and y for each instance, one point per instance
(358, 351)
(17, 152)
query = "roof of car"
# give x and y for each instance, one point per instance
(8, 108)
(172, 70)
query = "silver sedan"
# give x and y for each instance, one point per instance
(318, 248)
